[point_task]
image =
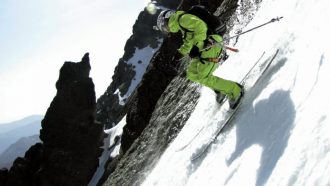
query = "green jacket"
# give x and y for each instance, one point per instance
(196, 33)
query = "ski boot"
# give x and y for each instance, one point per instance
(220, 97)
(233, 103)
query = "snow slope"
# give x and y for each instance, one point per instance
(280, 135)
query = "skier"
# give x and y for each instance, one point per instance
(206, 56)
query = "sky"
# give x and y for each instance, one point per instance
(38, 36)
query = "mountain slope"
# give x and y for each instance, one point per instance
(280, 134)
(17, 149)
(6, 127)
(11, 132)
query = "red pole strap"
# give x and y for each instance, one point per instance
(231, 49)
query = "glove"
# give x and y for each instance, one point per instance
(194, 52)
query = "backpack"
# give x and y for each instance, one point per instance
(214, 24)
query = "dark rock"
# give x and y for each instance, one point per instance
(3, 176)
(109, 111)
(70, 136)
(35, 155)
(24, 170)
(158, 134)
(20, 173)
(153, 84)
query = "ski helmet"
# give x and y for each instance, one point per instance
(162, 20)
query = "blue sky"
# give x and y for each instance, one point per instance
(37, 36)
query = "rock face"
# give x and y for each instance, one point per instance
(25, 170)
(69, 133)
(154, 82)
(71, 138)
(109, 111)
(3, 176)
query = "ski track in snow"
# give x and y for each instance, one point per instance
(280, 135)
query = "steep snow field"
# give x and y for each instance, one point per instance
(280, 135)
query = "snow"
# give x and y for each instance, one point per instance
(114, 137)
(280, 135)
(140, 61)
(111, 148)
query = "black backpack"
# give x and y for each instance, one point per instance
(214, 24)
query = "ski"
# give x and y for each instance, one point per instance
(231, 114)
(225, 100)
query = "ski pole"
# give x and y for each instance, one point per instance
(234, 49)
(271, 21)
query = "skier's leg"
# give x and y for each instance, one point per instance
(202, 73)
(230, 88)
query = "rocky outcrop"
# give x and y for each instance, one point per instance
(71, 137)
(109, 111)
(24, 171)
(154, 82)
(3, 176)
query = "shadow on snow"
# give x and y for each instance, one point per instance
(268, 124)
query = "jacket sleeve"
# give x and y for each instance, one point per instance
(193, 29)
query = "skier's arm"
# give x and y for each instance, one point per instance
(196, 34)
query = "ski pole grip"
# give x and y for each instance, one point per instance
(232, 49)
